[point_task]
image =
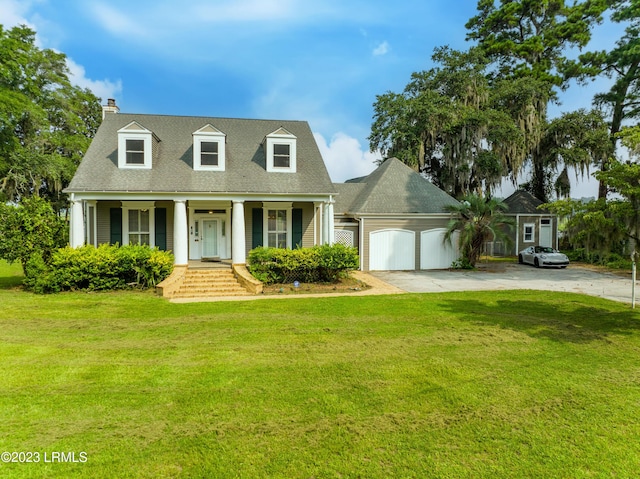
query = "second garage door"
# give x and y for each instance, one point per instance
(434, 253)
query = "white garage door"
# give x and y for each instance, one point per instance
(434, 254)
(392, 250)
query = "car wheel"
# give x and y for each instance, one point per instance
(520, 259)
(536, 263)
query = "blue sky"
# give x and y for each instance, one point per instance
(321, 61)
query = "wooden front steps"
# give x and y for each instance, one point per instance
(189, 282)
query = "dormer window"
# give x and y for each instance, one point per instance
(281, 155)
(209, 153)
(280, 147)
(209, 149)
(135, 152)
(135, 146)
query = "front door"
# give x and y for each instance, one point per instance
(209, 238)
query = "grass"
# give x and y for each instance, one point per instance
(458, 385)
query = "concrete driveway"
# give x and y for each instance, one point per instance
(503, 276)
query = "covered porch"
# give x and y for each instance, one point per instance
(203, 228)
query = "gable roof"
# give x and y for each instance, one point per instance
(172, 163)
(392, 188)
(523, 202)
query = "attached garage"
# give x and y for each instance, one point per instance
(392, 249)
(392, 212)
(434, 252)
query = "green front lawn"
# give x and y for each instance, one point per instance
(497, 384)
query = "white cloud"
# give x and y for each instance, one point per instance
(344, 157)
(382, 49)
(117, 22)
(14, 13)
(102, 88)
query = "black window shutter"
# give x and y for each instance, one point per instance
(256, 224)
(115, 226)
(296, 228)
(161, 228)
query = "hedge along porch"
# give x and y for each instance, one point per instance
(203, 187)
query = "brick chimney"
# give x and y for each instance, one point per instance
(110, 107)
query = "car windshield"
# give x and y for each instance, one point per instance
(543, 249)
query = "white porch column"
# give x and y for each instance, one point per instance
(238, 243)
(331, 229)
(77, 224)
(325, 223)
(320, 209)
(180, 233)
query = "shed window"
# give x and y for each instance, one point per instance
(529, 233)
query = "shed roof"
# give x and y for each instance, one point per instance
(523, 202)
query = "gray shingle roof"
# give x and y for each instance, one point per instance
(392, 188)
(523, 202)
(172, 168)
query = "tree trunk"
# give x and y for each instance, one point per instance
(538, 180)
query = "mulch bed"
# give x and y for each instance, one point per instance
(345, 285)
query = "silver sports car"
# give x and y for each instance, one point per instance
(543, 256)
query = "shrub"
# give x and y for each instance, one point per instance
(98, 269)
(462, 263)
(610, 260)
(319, 264)
(30, 228)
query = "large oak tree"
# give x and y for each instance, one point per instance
(46, 123)
(453, 125)
(528, 39)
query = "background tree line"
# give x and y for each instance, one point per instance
(480, 116)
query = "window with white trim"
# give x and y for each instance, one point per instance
(209, 148)
(209, 153)
(135, 144)
(529, 232)
(277, 224)
(280, 147)
(138, 223)
(138, 227)
(281, 155)
(277, 228)
(135, 152)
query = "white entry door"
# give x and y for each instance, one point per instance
(545, 233)
(210, 239)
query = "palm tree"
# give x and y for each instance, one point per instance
(478, 219)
